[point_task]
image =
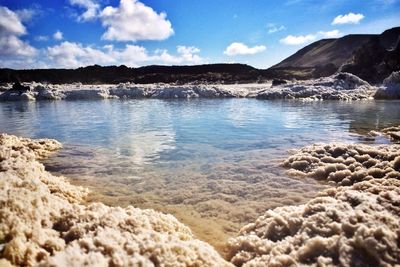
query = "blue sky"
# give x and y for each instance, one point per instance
(73, 33)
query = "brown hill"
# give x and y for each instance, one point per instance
(369, 56)
(323, 52)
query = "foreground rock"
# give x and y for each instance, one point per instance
(42, 222)
(393, 132)
(345, 226)
(346, 164)
(353, 225)
(341, 86)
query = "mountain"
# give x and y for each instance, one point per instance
(326, 51)
(361, 54)
(376, 59)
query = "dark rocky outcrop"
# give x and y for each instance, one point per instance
(19, 88)
(390, 88)
(211, 73)
(372, 57)
(276, 82)
(377, 59)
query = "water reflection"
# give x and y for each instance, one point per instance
(215, 164)
(144, 148)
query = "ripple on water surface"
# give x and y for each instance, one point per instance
(214, 164)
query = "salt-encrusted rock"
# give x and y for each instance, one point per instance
(352, 225)
(42, 222)
(192, 92)
(17, 92)
(87, 94)
(393, 132)
(344, 226)
(390, 88)
(346, 164)
(348, 81)
(341, 86)
(27, 97)
(48, 93)
(128, 91)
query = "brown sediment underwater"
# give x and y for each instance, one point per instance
(214, 200)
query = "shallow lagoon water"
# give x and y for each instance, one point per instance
(214, 164)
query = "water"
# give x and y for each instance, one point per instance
(214, 164)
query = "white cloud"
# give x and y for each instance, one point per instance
(350, 18)
(272, 28)
(376, 26)
(330, 34)
(11, 45)
(58, 35)
(72, 55)
(189, 54)
(11, 29)
(298, 40)
(303, 39)
(242, 49)
(10, 23)
(42, 38)
(91, 6)
(26, 14)
(134, 21)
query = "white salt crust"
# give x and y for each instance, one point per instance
(43, 223)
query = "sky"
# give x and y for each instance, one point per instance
(261, 33)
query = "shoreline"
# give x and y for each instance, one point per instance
(340, 86)
(54, 228)
(63, 231)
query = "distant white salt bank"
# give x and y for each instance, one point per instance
(340, 86)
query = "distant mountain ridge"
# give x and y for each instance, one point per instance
(326, 51)
(372, 57)
(336, 51)
(210, 73)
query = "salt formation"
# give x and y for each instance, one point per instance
(390, 88)
(125, 91)
(42, 222)
(344, 226)
(356, 224)
(393, 132)
(346, 164)
(340, 86)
